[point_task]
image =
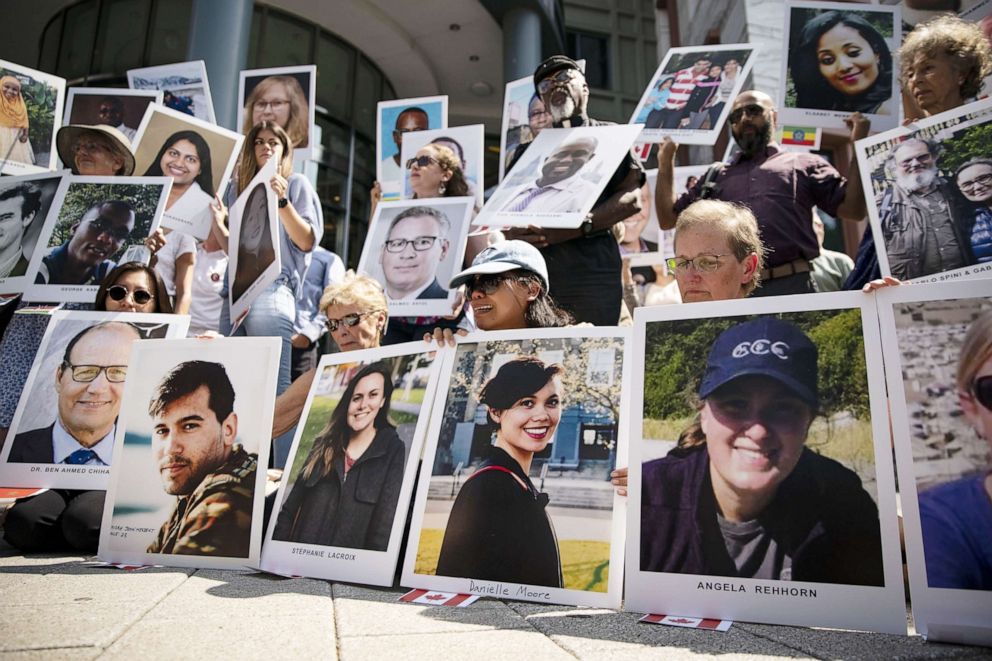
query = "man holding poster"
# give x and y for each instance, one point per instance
(193, 443)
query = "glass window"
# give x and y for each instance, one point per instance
(120, 42)
(255, 37)
(77, 41)
(286, 41)
(335, 64)
(50, 39)
(332, 189)
(170, 32)
(367, 87)
(336, 141)
(595, 49)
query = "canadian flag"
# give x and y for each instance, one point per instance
(641, 150)
(688, 622)
(432, 598)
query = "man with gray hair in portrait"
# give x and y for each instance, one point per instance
(416, 243)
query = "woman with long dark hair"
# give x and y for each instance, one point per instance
(347, 491)
(185, 157)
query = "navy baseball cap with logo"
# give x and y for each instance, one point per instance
(768, 347)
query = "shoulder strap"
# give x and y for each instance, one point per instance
(502, 469)
(708, 188)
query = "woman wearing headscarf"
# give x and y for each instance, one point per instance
(14, 143)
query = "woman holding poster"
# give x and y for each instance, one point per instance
(741, 495)
(956, 517)
(347, 492)
(499, 529)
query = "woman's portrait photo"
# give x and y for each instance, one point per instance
(283, 96)
(519, 489)
(256, 250)
(840, 60)
(758, 458)
(185, 157)
(30, 109)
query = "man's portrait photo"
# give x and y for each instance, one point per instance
(394, 119)
(24, 204)
(412, 251)
(120, 108)
(95, 227)
(559, 186)
(187, 482)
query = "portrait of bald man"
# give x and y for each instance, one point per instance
(560, 187)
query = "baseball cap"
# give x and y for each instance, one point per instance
(769, 347)
(67, 135)
(502, 257)
(553, 64)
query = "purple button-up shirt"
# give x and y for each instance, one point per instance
(781, 188)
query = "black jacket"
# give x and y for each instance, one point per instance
(354, 512)
(33, 447)
(820, 516)
(499, 530)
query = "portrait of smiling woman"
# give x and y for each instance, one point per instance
(185, 156)
(499, 529)
(839, 61)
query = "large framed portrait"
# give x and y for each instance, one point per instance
(524, 116)
(93, 224)
(423, 180)
(938, 364)
(840, 60)
(284, 95)
(30, 110)
(931, 183)
(25, 201)
(344, 499)
(198, 156)
(690, 95)
(558, 180)
(184, 87)
(514, 499)
(63, 428)
(761, 481)
(255, 230)
(120, 108)
(394, 119)
(188, 486)
(413, 248)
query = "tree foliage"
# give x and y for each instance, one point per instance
(143, 198)
(676, 353)
(971, 143)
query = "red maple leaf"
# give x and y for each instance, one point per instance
(435, 597)
(681, 620)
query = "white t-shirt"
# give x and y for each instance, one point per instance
(176, 245)
(208, 281)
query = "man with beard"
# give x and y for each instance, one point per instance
(558, 188)
(194, 429)
(584, 264)
(920, 224)
(781, 188)
(84, 258)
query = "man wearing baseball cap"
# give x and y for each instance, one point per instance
(583, 264)
(741, 495)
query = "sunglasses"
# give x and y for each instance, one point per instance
(88, 373)
(751, 109)
(120, 292)
(420, 161)
(103, 225)
(547, 83)
(487, 284)
(349, 320)
(981, 388)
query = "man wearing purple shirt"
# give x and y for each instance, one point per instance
(780, 187)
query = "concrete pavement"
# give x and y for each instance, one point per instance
(57, 607)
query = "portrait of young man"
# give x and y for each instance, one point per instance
(85, 257)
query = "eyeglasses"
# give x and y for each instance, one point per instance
(923, 159)
(487, 284)
(537, 113)
(562, 76)
(981, 388)
(275, 105)
(420, 161)
(88, 373)
(348, 320)
(420, 244)
(705, 263)
(751, 109)
(272, 144)
(103, 225)
(981, 181)
(120, 292)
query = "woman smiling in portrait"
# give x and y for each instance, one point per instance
(347, 492)
(499, 529)
(185, 157)
(974, 180)
(841, 62)
(279, 99)
(14, 144)
(436, 171)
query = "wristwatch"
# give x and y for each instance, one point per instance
(283, 202)
(586, 226)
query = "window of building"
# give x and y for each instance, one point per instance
(595, 50)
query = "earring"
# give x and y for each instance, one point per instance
(441, 189)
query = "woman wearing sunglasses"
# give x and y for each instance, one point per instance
(70, 518)
(956, 516)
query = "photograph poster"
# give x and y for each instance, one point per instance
(690, 95)
(343, 502)
(284, 95)
(256, 231)
(30, 113)
(120, 108)
(184, 87)
(761, 481)
(25, 201)
(424, 177)
(413, 248)
(939, 372)
(514, 499)
(62, 433)
(840, 60)
(393, 120)
(524, 115)
(94, 224)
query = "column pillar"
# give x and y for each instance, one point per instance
(521, 42)
(218, 35)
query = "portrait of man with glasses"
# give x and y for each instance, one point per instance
(416, 243)
(89, 382)
(94, 240)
